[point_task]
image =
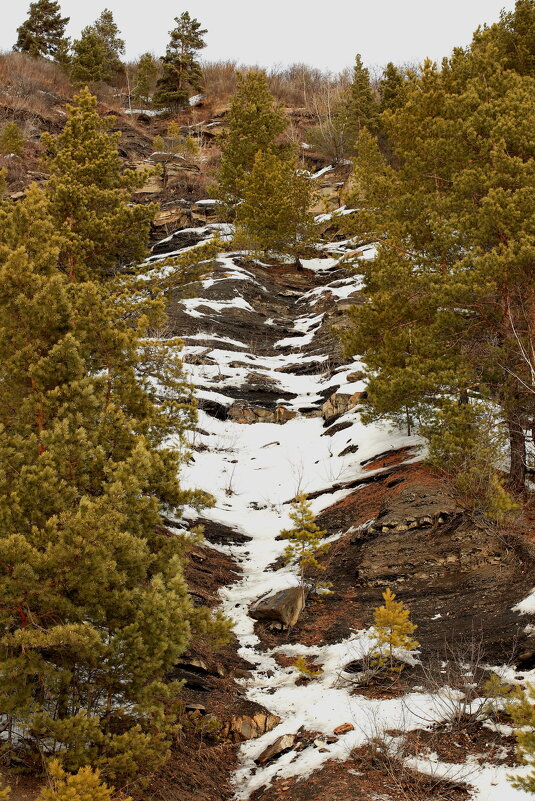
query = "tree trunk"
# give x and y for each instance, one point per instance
(517, 443)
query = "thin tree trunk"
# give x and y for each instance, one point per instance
(517, 443)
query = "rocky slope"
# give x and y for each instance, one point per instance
(279, 415)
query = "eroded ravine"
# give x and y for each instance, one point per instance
(260, 349)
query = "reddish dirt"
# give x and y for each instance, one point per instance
(455, 743)
(360, 778)
(23, 788)
(197, 771)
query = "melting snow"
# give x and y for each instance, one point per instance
(527, 606)
(254, 471)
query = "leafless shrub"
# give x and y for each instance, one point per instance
(298, 85)
(390, 755)
(219, 79)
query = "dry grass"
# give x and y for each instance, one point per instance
(298, 85)
(30, 87)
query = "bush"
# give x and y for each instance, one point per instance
(85, 785)
(11, 140)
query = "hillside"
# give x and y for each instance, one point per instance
(267, 418)
(280, 415)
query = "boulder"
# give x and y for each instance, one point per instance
(282, 415)
(175, 215)
(340, 403)
(283, 607)
(164, 157)
(246, 414)
(280, 746)
(358, 375)
(205, 211)
(244, 727)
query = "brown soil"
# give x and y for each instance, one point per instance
(455, 743)
(199, 770)
(362, 778)
(23, 788)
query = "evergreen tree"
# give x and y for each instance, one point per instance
(362, 107)
(88, 191)
(63, 55)
(145, 78)
(452, 292)
(274, 216)
(523, 713)
(11, 140)
(181, 69)
(391, 88)
(304, 544)
(392, 629)
(42, 33)
(96, 55)
(465, 445)
(89, 63)
(106, 28)
(94, 609)
(84, 785)
(513, 36)
(254, 123)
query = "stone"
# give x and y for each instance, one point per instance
(194, 664)
(356, 376)
(344, 728)
(163, 157)
(243, 727)
(196, 708)
(282, 415)
(283, 607)
(336, 405)
(204, 211)
(175, 216)
(280, 746)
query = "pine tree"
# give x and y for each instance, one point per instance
(466, 443)
(362, 107)
(274, 216)
(96, 54)
(392, 629)
(106, 28)
(513, 36)
(181, 69)
(89, 63)
(254, 123)
(84, 785)
(11, 140)
(94, 609)
(42, 33)
(391, 88)
(63, 55)
(304, 542)
(451, 292)
(145, 78)
(523, 714)
(88, 191)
